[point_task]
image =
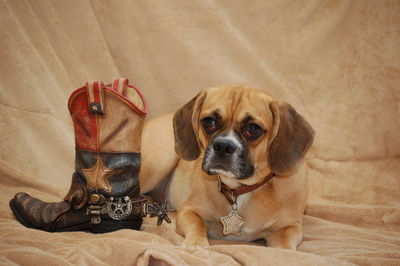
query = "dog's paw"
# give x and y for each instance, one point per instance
(198, 242)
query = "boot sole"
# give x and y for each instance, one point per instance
(107, 226)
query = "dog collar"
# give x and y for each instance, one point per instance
(232, 194)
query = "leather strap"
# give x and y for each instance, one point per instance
(232, 194)
(120, 85)
(77, 195)
(95, 97)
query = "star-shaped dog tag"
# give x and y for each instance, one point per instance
(232, 223)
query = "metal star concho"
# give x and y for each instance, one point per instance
(97, 176)
(232, 223)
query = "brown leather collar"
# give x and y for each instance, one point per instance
(232, 194)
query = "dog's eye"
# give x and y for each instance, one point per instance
(209, 124)
(252, 131)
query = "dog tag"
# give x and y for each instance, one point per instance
(232, 223)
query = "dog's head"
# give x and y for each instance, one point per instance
(242, 132)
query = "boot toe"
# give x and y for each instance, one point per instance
(35, 213)
(17, 207)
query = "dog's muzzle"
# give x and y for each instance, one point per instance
(227, 154)
(224, 148)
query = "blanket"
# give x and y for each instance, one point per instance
(337, 62)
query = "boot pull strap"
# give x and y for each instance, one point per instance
(120, 85)
(131, 93)
(95, 97)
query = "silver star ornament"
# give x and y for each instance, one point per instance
(232, 223)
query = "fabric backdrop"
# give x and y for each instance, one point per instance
(337, 62)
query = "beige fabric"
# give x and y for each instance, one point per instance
(337, 62)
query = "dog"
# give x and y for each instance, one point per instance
(230, 163)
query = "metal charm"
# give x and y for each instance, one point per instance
(94, 208)
(232, 223)
(119, 209)
(154, 209)
(94, 211)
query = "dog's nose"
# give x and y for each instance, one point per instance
(224, 147)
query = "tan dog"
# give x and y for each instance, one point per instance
(241, 136)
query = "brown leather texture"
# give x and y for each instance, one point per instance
(77, 195)
(109, 173)
(38, 213)
(120, 127)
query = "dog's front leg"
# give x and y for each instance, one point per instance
(289, 237)
(192, 227)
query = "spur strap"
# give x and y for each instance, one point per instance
(232, 194)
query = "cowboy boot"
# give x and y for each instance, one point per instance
(104, 195)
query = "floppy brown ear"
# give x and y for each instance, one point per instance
(186, 121)
(291, 138)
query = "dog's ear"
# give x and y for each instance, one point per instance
(291, 138)
(186, 127)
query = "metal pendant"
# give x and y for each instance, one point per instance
(232, 223)
(119, 209)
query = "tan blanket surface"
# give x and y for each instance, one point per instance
(337, 62)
